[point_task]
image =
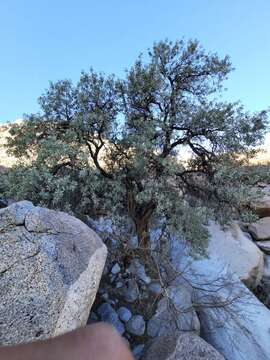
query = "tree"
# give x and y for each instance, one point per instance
(159, 141)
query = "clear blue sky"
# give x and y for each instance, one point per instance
(43, 40)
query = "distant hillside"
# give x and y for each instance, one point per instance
(6, 161)
(264, 156)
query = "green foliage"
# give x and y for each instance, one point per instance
(154, 144)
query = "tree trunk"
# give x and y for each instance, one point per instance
(142, 229)
(141, 215)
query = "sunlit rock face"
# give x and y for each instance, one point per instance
(50, 267)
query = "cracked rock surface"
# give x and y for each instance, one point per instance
(50, 268)
(184, 346)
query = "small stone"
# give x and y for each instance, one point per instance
(112, 302)
(112, 278)
(130, 291)
(124, 314)
(137, 269)
(119, 284)
(136, 325)
(133, 242)
(126, 274)
(112, 243)
(115, 269)
(109, 315)
(105, 296)
(137, 351)
(155, 288)
(145, 296)
(104, 225)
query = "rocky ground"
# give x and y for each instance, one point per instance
(167, 304)
(209, 297)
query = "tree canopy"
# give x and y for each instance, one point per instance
(158, 143)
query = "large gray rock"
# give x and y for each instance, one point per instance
(264, 246)
(232, 319)
(238, 326)
(266, 270)
(50, 268)
(262, 207)
(174, 313)
(260, 229)
(237, 251)
(188, 346)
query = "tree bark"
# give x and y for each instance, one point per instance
(142, 228)
(141, 215)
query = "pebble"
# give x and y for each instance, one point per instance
(119, 284)
(109, 315)
(112, 243)
(133, 242)
(124, 314)
(115, 269)
(155, 288)
(137, 351)
(105, 296)
(112, 278)
(137, 269)
(130, 291)
(136, 325)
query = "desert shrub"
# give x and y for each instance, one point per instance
(154, 144)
